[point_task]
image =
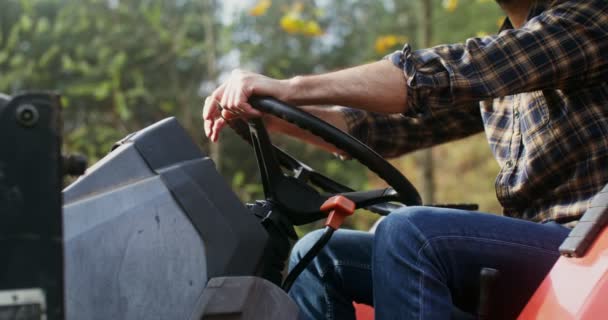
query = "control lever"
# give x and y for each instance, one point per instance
(488, 278)
(364, 199)
(339, 208)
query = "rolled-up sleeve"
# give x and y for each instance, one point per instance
(562, 48)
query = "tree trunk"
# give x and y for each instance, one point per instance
(215, 151)
(426, 156)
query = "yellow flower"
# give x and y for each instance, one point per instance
(450, 5)
(312, 28)
(260, 8)
(291, 23)
(386, 42)
(481, 34)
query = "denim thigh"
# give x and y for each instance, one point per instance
(428, 260)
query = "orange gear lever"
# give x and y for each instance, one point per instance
(339, 208)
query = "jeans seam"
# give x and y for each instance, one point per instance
(330, 311)
(427, 242)
(421, 279)
(333, 266)
(424, 244)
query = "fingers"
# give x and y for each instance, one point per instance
(211, 110)
(216, 117)
(217, 126)
(229, 101)
(249, 110)
(209, 116)
(237, 93)
(230, 115)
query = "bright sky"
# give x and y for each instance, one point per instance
(231, 6)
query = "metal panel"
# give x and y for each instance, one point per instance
(131, 253)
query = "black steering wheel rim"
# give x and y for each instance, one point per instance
(407, 193)
(297, 196)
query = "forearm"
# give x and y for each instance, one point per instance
(331, 115)
(392, 135)
(378, 87)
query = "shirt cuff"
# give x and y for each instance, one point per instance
(396, 58)
(403, 59)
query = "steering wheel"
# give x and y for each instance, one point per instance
(296, 194)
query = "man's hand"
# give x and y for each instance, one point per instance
(230, 100)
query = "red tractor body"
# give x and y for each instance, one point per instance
(576, 288)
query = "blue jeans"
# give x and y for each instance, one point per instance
(424, 263)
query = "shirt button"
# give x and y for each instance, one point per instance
(516, 114)
(509, 164)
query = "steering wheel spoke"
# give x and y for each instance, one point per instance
(298, 194)
(371, 197)
(270, 169)
(300, 170)
(382, 201)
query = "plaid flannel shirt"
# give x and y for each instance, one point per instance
(540, 92)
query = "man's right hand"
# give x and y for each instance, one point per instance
(332, 115)
(230, 101)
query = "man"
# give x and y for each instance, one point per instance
(538, 88)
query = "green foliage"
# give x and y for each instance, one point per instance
(124, 64)
(119, 65)
(470, 19)
(350, 30)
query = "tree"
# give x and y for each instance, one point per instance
(426, 156)
(123, 64)
(119, 64)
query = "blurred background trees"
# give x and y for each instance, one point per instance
(123, 64)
